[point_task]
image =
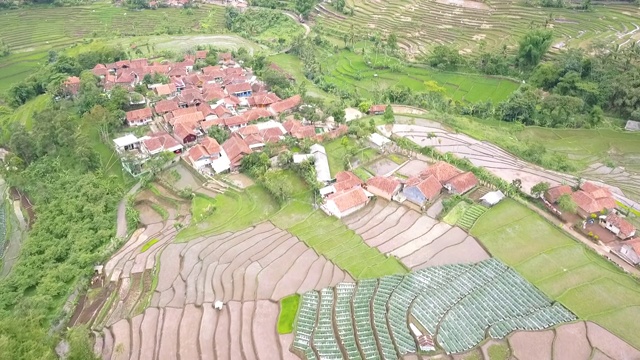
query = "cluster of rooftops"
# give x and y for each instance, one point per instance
(226, 95)
(348, 193)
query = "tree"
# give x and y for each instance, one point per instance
(364, 106)
(255, 164)
(4, 49)
(218, 133)
(304, 7)
(338, 114)
(596, 115)
(532, 46)
(388, 116)
(231, 14)
(392, 41)
(540, 188)
(520, 106)
(118, 98)
(445, 58)
(566, 203)
(340, 5)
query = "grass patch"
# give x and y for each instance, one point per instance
(456, 213)
(288, 311)
(327, 235)
(498, 352)
(564, 269)
(363, 174)
(160, 210)
(349, 71)
(293, 66)
(202, 206)
(397, 158)
(148, 245)
(336, 152)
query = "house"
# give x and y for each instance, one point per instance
(126, 143)
(186, 132)
(299, 131)
(256, 114)
(441, 170)
(618, 225)
(139, 117)
(71, 86)
(234, 123)
(240, 90)
(204, 153)
(160, 142)
(379, 142)
(586, 204)
(491, 198)
(100, 70)
(377, 109)
(346, 202)
(602, 195)
(167, 90)
(628, 253)
(286, 105)
(263, 100)
(553, 194)
(236, 149)
(165, 106)
(201, 54)
(321, 163)
(222, 112)
(461, 183)
(190, 117)
(420, 191)
(345, 180)
(384, 187)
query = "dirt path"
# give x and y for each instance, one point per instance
(16, 232)
(306, 27)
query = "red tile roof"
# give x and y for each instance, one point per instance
(165, 89)
(211, 145)
(184, 129)
(377, 108)
(165, 106)
(348, 199)
(236, 149)
(585, 202)
(184, 111)
(264, 99)
(442, 171)
(100, 70)
(346, 180)
(187, 118)
(626, 229)
(594, 190)
(140, 114)
(285, 105)
(608, 203)
(238, 88)
(159, 141)
(553, 194)
(221, 111)
(207, 124)
(463, 182)
(196, 153)
(235, 120)
(201, 54)
(249, 130)
(255, 114)
(429, 186)
(205, 109)
(386, 185)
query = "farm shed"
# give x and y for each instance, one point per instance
(346, 202)
(492, 198)
(378, 141)
(617, 225)
(632, 125)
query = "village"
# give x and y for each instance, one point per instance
(230, 99)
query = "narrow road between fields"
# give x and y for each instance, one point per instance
(121, 228)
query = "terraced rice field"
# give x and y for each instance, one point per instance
(624, 184)
(248, 270)
(584, 282)
(456, 304)
(418, 241)
(349, 71)
(425, 23)
(32, 32)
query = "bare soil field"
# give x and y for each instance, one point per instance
(417, 240)
(505, 165)
(249, 271)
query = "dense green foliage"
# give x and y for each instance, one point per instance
(265, 26)
(56, 164)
